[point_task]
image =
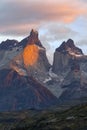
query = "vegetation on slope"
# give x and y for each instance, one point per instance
(74, 118)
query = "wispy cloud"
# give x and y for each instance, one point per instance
(57, 31)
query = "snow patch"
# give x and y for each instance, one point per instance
(47, 80)
(51, 74)
(40, 48)
(76, 55)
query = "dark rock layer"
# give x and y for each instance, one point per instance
(22, 92)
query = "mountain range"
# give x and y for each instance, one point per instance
(27, 80)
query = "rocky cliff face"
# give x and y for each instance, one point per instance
(28, 80)
(22, 65)
(65, 55)
(32, 58)
(29, 54)
(70, 63)
(75, 84)
(22, 92)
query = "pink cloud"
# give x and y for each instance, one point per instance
(18, 15)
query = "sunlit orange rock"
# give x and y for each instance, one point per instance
(30, 54)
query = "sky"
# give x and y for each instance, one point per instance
(55, 20)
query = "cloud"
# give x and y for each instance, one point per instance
(52, 34)
(82, 42)
(17, 15)
(55, 31)
(83, 0)
(18, 30)
(83, 45)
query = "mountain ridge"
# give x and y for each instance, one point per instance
(65, 80)
(69, 46)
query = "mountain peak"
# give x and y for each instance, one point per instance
(8, 44)
(69, 47)
(34, 33)
(66, 45)
(70, 43)
(33, 38)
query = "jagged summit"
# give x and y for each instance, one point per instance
(68, 44)
(69, 47)
(8, 44)
(32, 39)
(34, 33)
(66, 57)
